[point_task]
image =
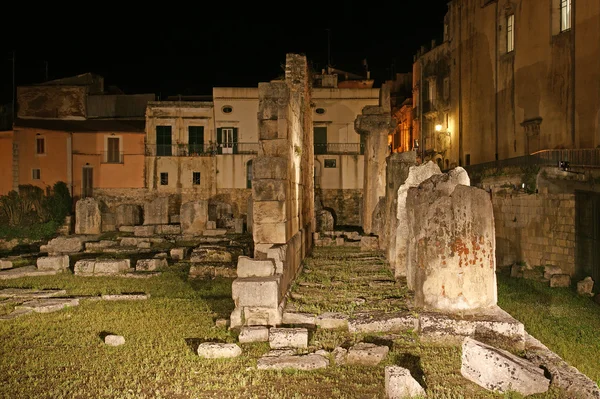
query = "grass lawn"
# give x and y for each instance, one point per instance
(61, 354)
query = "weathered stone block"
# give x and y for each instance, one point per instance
(88, 219)
(288, 338)
(269, 212)
(249, 267)
(144, 231)
(275, 233)
(332, 320)
(268, 127)
(366, 354)
(275, 148)
(400, 384)
(270, 168)
(128, 215)
(211, 254)
(253, 334)
(369, 243)
(84, 266)
(59, 262)
(114, 340)
(213, 350)
(256, 291)
(193, 217)
(168, 229)
(64, 245)
(157, 211)
(150, 264)
(560, 281)
(5, 264)
(298, 362)
(269, 190)
(179, 253)
(585, 287)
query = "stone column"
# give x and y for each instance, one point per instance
(375, 123)
(282, 197)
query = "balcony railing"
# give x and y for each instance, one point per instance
(198, 150)
(112, 157)
(339, 148)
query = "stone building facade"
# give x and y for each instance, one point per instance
(511, 78)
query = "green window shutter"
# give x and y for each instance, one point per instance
(219, 140)
(235, 140)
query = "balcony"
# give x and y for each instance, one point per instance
(339, 148)
(200, 150)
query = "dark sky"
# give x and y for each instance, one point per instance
(184, 50)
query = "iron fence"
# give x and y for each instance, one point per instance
(339, 148)
(193, 150)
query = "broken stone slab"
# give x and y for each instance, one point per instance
(214, 232)
(129, 242)
(125, 297)
(149, 265)
(382, 322)
(366, 354)
(156, 211)
(400, 384)
(332, 321)
(249, 267)
(88, 219)
(304, 319)
(25, 271)
(550, 270)
(256, 291)
(144, 231)
(210, 254)
(114, 340)
(102, 266)
(562, 374)
(64, 245)
(99, 245)
(298, 362)
(212, 271)
(5, 264)
(560, 281)
(168, 229)
(340, 355)
(500, 371)
(48, 305)
(253, 334)
(193, 216)
(179, 253)
(30, 293)
(144, 245)
(55, 262)
(213, 350)
(280, 352)
(288, 338)
(585, 287)
(126, 229)
(16, 313)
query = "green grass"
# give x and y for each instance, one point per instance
(566, 323)
(61, 354)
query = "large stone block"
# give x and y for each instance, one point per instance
(275, 148)
(269, 190)
(269, 212)
(268, 127)
(128, 215)
(64, 245)
(193, 217)
(88, 219)
(400, 384)
(248, 267)
(256, 292)
(157, 211)
(274, 233)
(270, 168)
(452, 263)
(58, 262)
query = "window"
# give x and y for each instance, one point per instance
(163, 141)
(40, 145)
(320, 111)
(196, 178)
(35, 174)
(249, 174)
(565, 15)
(164, 179)
(320, 139)
(227, 109)
(87, 181)
(510, 33)
(195, 140)
(446, 88)
(330, 163)
(227, 140)
(468, 159)
(113, 153)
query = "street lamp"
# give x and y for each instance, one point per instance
(438, 128)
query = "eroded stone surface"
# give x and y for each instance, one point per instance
(153, 264)
(179, 253)
(87, 216)
(307, 319)
(25, 271)
(500, 371)
(48, 305)
(29, 293)
(382, 322)
(249, 267)
(213, 350)
(210, 254)
(125, 297)
(366, 354)
(299, 362)
(560, 281)
(193, 217)
(253, 334)
(400, 384)
(288, 338)
(585, 287)
(5, 264)
(56, 262)
(332, 320)
(114, 340)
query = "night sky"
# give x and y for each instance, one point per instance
(190, 50)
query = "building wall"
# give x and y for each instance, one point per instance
(538, 229)
(54, 164)
(6, 162)
(544, 94)
(57, 102)
(244, 107)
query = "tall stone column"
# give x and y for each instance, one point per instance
(282, 198)
(375, 123)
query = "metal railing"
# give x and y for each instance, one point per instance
(195, 150)
(339, 148)
(112, 157)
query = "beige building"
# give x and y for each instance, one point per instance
(511, 78)
(205, 149)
